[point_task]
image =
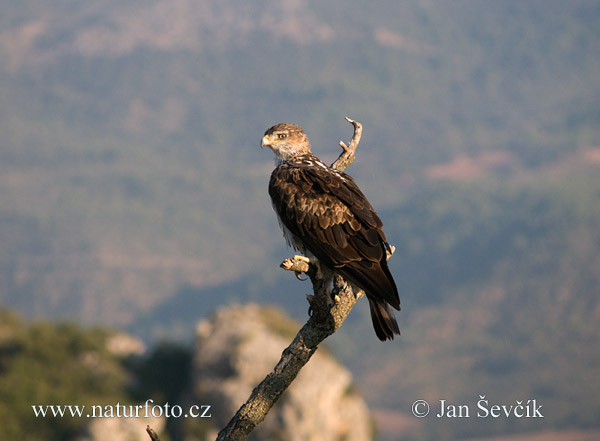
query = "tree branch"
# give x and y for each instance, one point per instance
(322, 323)
(326, 318)
(152, 434)
(329, 309)
(347, 156)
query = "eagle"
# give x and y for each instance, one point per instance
(325, 215)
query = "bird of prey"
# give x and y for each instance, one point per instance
(323, 213)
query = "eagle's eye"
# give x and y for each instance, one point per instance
(282, 136)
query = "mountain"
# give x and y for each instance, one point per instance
(133, 191)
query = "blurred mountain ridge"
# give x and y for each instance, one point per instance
(133, 188)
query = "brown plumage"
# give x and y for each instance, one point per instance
(324, 213)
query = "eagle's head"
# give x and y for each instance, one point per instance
(287, 141)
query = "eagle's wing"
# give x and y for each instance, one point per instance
(329, 216)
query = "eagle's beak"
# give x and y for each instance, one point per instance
(265, 141)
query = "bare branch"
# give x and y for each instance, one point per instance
(347, 156)
(153, 435)
(324, 321)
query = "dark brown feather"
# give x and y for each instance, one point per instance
(330, 217)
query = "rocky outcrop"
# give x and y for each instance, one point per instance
(237, 347)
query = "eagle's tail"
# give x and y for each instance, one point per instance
(384, 322)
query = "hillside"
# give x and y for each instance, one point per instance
(133, 189)
(130, 131)
(501, 302)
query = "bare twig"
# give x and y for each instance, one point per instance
(347, 156)
(326, 318)
(153, 435)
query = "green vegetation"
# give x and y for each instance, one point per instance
(53, 364)
(141, 163)
(505, 276)
(62, 364)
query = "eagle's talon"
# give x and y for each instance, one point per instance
(334, 300)
(299, 276)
